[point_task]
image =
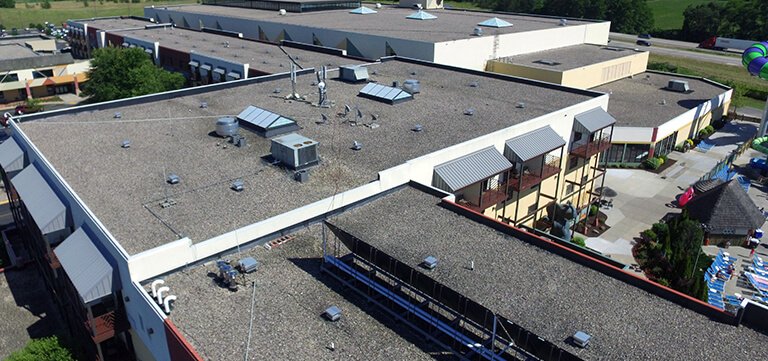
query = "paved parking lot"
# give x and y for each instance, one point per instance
(644, 197)
(26, 309)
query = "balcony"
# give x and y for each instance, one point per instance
(104, 327)
(588, 149)
(527, 179)
(492, 193)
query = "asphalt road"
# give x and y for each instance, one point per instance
(681, 53)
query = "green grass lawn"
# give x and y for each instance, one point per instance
(668, 14)
(61, 11)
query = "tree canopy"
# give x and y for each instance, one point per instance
(118, 73)
(42, 349)
(742, 19)
(627, 16)
(10, 4)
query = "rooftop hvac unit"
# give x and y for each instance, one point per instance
(295, 151)
(581, 339)
(680, 86)
(412, 86)
(425, 4)
(353, 73)
(332, 313)
(226, 126)
(248, 264)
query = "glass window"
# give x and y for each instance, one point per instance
(573, 162)
(9, 78)
(636, 153)
(614, 154)
(569, 188)
(42, 73)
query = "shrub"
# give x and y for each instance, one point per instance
(42, 349)
(689, 141)
(653, 163)
(593, 210)
(45, 4)
(663, 157)
(579, 241)
(710, 129)
(649, 235)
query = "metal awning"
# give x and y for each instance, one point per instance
(11, 156)
(593, 120)
(469, 169)
(219, 71)
(194, 64)
(233, 75)
(533, 144)
(43, 204)
(205, 67)
(85, 266)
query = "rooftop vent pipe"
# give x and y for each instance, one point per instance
(167, 303)
(160, 293)
(155, 283)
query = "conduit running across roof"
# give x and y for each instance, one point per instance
(43, 204)
(86, 267)
(474, 167)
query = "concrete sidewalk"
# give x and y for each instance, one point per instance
(645, 197)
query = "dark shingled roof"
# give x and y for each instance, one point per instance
(726, 206)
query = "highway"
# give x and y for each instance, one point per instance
(676, 48)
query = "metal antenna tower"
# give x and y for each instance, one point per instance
(322, 88)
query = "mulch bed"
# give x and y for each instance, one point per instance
(668, 163)
(592, 230)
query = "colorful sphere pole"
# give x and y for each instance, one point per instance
(755, 59)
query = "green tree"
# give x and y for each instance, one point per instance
(701, 21)
(118, 73)
(42, 349)
(629, 16)
(10, 4)
(45, 4)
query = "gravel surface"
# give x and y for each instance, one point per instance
(173, 137)
(547, 294)
(26, 309)
(114, 23)
(287, 322)
(390, 21)
(569, 57)
(637, 102)
(263, 57)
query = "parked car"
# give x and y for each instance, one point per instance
(643, 42)
(644, 36)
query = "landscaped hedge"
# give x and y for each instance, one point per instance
(654, 163)
(706, 131)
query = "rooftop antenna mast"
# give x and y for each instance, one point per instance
(294, 94)
(322, 88)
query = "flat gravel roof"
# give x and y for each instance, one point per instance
(569, 57)
(266, 57)
(290, 297)
(390, 21)
(543, 292)
(16, 51)
(124, 187)
(115, 23)
(644, 101)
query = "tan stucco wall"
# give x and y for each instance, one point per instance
(585, 77)
(605, 72)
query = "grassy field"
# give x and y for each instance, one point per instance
(668, 14)
(750, 90)
(61, 11)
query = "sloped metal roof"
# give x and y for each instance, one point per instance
(85, 266)
(495, 23)
(533, 144)
(263, 119)
(595, 119)
(469, 169)
(43, 204)
(11, 156)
